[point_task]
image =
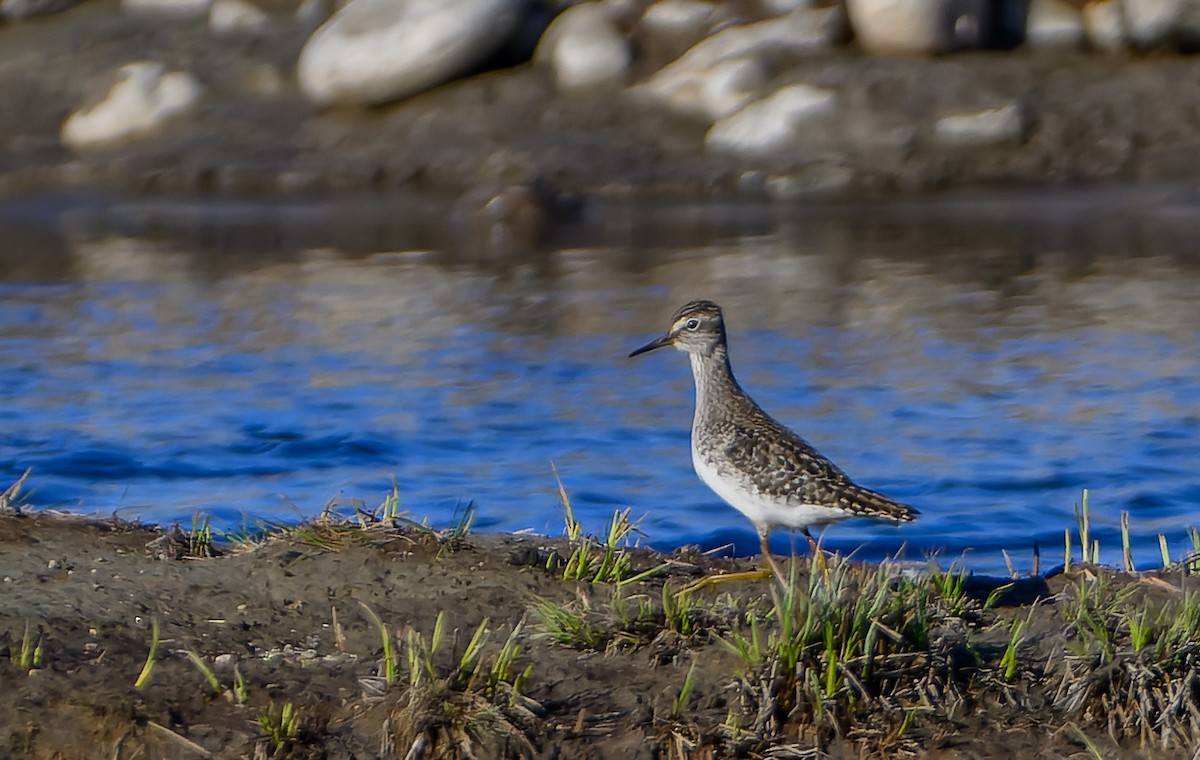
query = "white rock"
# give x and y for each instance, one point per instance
(990, 127)
(781, 7)
(584, 48)
(144, 97)
(814, 181)
(766, 126)
(730, 86)
(183, 8)
(677, 18)
(886, 27)
(1102, 19)
(1150, 23)
(236, 16)
(374, 51)
(724, 72)
(1053, 24)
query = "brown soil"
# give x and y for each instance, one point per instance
(90, 591)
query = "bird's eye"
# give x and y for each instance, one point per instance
(692, 324)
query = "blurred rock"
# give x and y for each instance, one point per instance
(182, 8)
(145, 96)
(784, 7)
(312, 12)
(817, 180)
(913, 27)
(677, 18)
(15, 10)
(375, 51)
(1151, 23)
(236, 16)
(991, 127)
(1105, 27)
(724, 72)
(1188, 31)
(584, 49)
(764, 127)
(1054, 24)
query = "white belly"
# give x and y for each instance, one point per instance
(763, 511)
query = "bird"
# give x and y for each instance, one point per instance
(755, 464)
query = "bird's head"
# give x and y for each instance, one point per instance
(698, 328)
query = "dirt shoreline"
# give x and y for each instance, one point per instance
(1088, 118)
(86, 594)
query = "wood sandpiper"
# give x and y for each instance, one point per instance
(762, 469)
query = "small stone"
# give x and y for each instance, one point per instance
(376, 51)
(1054, 24)
(677, 18)
(15, 10)
(721, 74)
(236, 16)
(731, 85)
(784, 7)
(1151, 23)
(887, 27)
(815, 181)
(764, 127)
(182, 8)
(584, 48)
(223, 663)
(1105, 27)
(145, 97)
(990, 127)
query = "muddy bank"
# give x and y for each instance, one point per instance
(286, 627)
(1064, 117)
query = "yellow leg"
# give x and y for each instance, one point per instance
(711, 581)
(771, 570)
(768, 559)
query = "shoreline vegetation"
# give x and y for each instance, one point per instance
(374, 635)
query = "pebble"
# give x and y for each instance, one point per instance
(814, 181)
(677, 18)
(145, 97)
(723, 73)
(376, 51)
(906, 27)
(1104, 25)
(584, 48)
(764, 127)
(1054, 24)
(990, 127)
(1151, 23)
(236, 17)
(181, 8)
(15, 10)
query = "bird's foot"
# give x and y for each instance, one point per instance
(712, 581)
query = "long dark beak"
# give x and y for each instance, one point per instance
(665, 340)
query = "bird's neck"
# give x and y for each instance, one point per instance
(714, 383)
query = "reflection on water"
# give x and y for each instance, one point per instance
(983, 361)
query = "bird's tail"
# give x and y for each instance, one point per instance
(873, 504)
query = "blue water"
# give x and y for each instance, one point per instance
(984, 362)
